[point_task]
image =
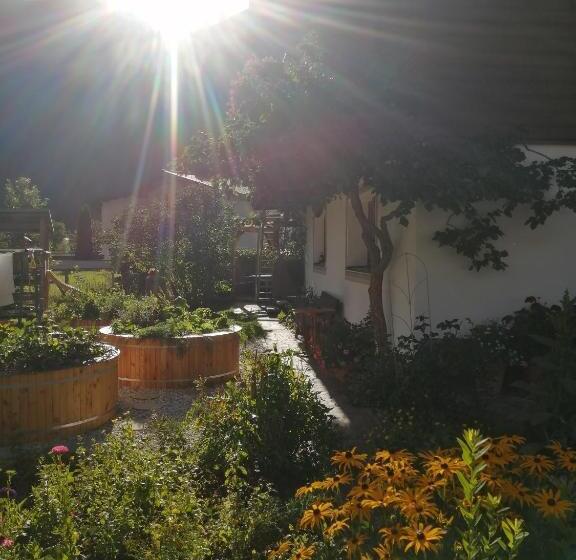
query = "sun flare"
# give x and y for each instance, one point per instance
(175, 19)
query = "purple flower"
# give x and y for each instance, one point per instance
(59, 450)
(9, 493)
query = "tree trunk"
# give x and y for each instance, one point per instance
(379, 245)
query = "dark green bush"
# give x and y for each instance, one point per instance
(37, 347)
(271, 422)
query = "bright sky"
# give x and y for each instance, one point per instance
(175, 19)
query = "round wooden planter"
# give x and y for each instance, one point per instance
(56, 404)
(171, 363)
(88, 324)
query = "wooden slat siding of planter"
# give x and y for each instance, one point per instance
(174, 363)
(88, 324)
(56, 404)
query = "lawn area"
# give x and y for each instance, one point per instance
(90, 279)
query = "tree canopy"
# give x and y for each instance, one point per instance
(298, 134)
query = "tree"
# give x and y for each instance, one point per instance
(296, 134)
(84, 235)
(188, 240)
(22, 193)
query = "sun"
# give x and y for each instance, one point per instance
(176, 19)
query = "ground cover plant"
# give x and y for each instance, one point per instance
(481, 501)
(38, 347)
(157, 316)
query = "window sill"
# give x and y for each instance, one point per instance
(358, 274)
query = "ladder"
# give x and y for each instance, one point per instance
(264, 270)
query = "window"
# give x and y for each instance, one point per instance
(357, 259)
(319, 238)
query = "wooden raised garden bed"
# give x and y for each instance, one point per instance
(89, 324)
(171, 363)
(51, 405)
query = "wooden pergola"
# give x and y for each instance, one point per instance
(31, 263)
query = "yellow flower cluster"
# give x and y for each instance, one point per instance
(398, 503)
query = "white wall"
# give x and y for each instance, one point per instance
(425, 279)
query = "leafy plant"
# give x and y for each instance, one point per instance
(156, 317)
(38, 347)
(137, 496)
(94, 303)
(271, 423)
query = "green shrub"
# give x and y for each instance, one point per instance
(271, 422)
(37, 347)
(94, 304)
(139, 496)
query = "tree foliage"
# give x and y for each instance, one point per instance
(22, 193)
(298, 133)
(189, 242)
(295, 132)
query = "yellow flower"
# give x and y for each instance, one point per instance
(371, 470)
(382, 456)
(282, 548)
(391, 535)
(506, 445)
(495, 459)
(516, 491)
(443, 467)
(361, 490)
(537, 464)
(555, 446)
(428, 484)
(347, 460)
(567, 460)
(422, 538)
(356, 508)
(334, 482)
(493, 481)
(302, 491)
(316, 515)
(354, 543)
(549, 504)
(303, 553)
(382, 552)
(377, 497)
(335, 528)
(385, 456)
(416, 504)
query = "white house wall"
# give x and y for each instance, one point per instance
(426, 279)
